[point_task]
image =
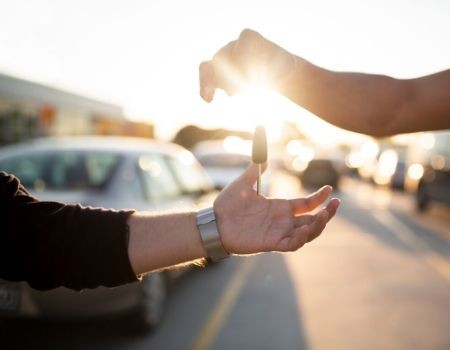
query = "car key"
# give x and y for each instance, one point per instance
(259, 152)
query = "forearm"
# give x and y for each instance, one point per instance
(366, 103)
(161, 240)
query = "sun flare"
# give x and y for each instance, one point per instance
(254, 105)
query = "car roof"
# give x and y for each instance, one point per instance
(117, 144)
(217, 147)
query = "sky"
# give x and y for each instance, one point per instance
(144, 55)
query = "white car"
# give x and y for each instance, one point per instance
(224, 164)
(110, 172)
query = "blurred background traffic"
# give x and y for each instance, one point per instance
(99, 105)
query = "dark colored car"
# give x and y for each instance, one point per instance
(433, 186)
(318, 173)
(434, 156)
(397, 180)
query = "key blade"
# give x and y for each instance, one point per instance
(259, 151)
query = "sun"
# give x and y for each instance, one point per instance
(255, 104)
(258, 104)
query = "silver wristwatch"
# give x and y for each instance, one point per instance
(206, 222)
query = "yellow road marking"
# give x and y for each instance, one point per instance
(407, 236)
(225, 304)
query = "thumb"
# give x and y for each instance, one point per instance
(250, 175)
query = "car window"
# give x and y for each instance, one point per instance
(158, 179)
(62, 170)
(189, 173)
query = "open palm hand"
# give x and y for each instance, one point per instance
(249, 223)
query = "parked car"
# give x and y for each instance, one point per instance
(224, 167)
(320, 172)
(110, 172)
(390, 168)
(433, 186)
(223, 164)
(398, 178)
(433, 156)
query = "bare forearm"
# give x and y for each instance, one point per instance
(372, 104)
(359, 102)
(161, 240)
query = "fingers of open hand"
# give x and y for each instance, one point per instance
(305, 204)
(322, 218)
(332, 207)
(304, 227)
(295, 241)
(309, 227)
(318, 225)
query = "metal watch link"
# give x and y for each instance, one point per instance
(206, 222)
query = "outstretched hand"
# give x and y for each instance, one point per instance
(250, 223)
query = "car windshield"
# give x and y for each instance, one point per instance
(62, 170)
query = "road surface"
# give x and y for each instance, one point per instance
(378, 278)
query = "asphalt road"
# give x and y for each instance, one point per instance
(378, 278)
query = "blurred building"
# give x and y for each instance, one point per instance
(29, 110)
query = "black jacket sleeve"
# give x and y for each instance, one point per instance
(50, 244)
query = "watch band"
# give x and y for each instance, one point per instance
(206, 222)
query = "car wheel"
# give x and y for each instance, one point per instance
(153, 302)
(422, 200)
